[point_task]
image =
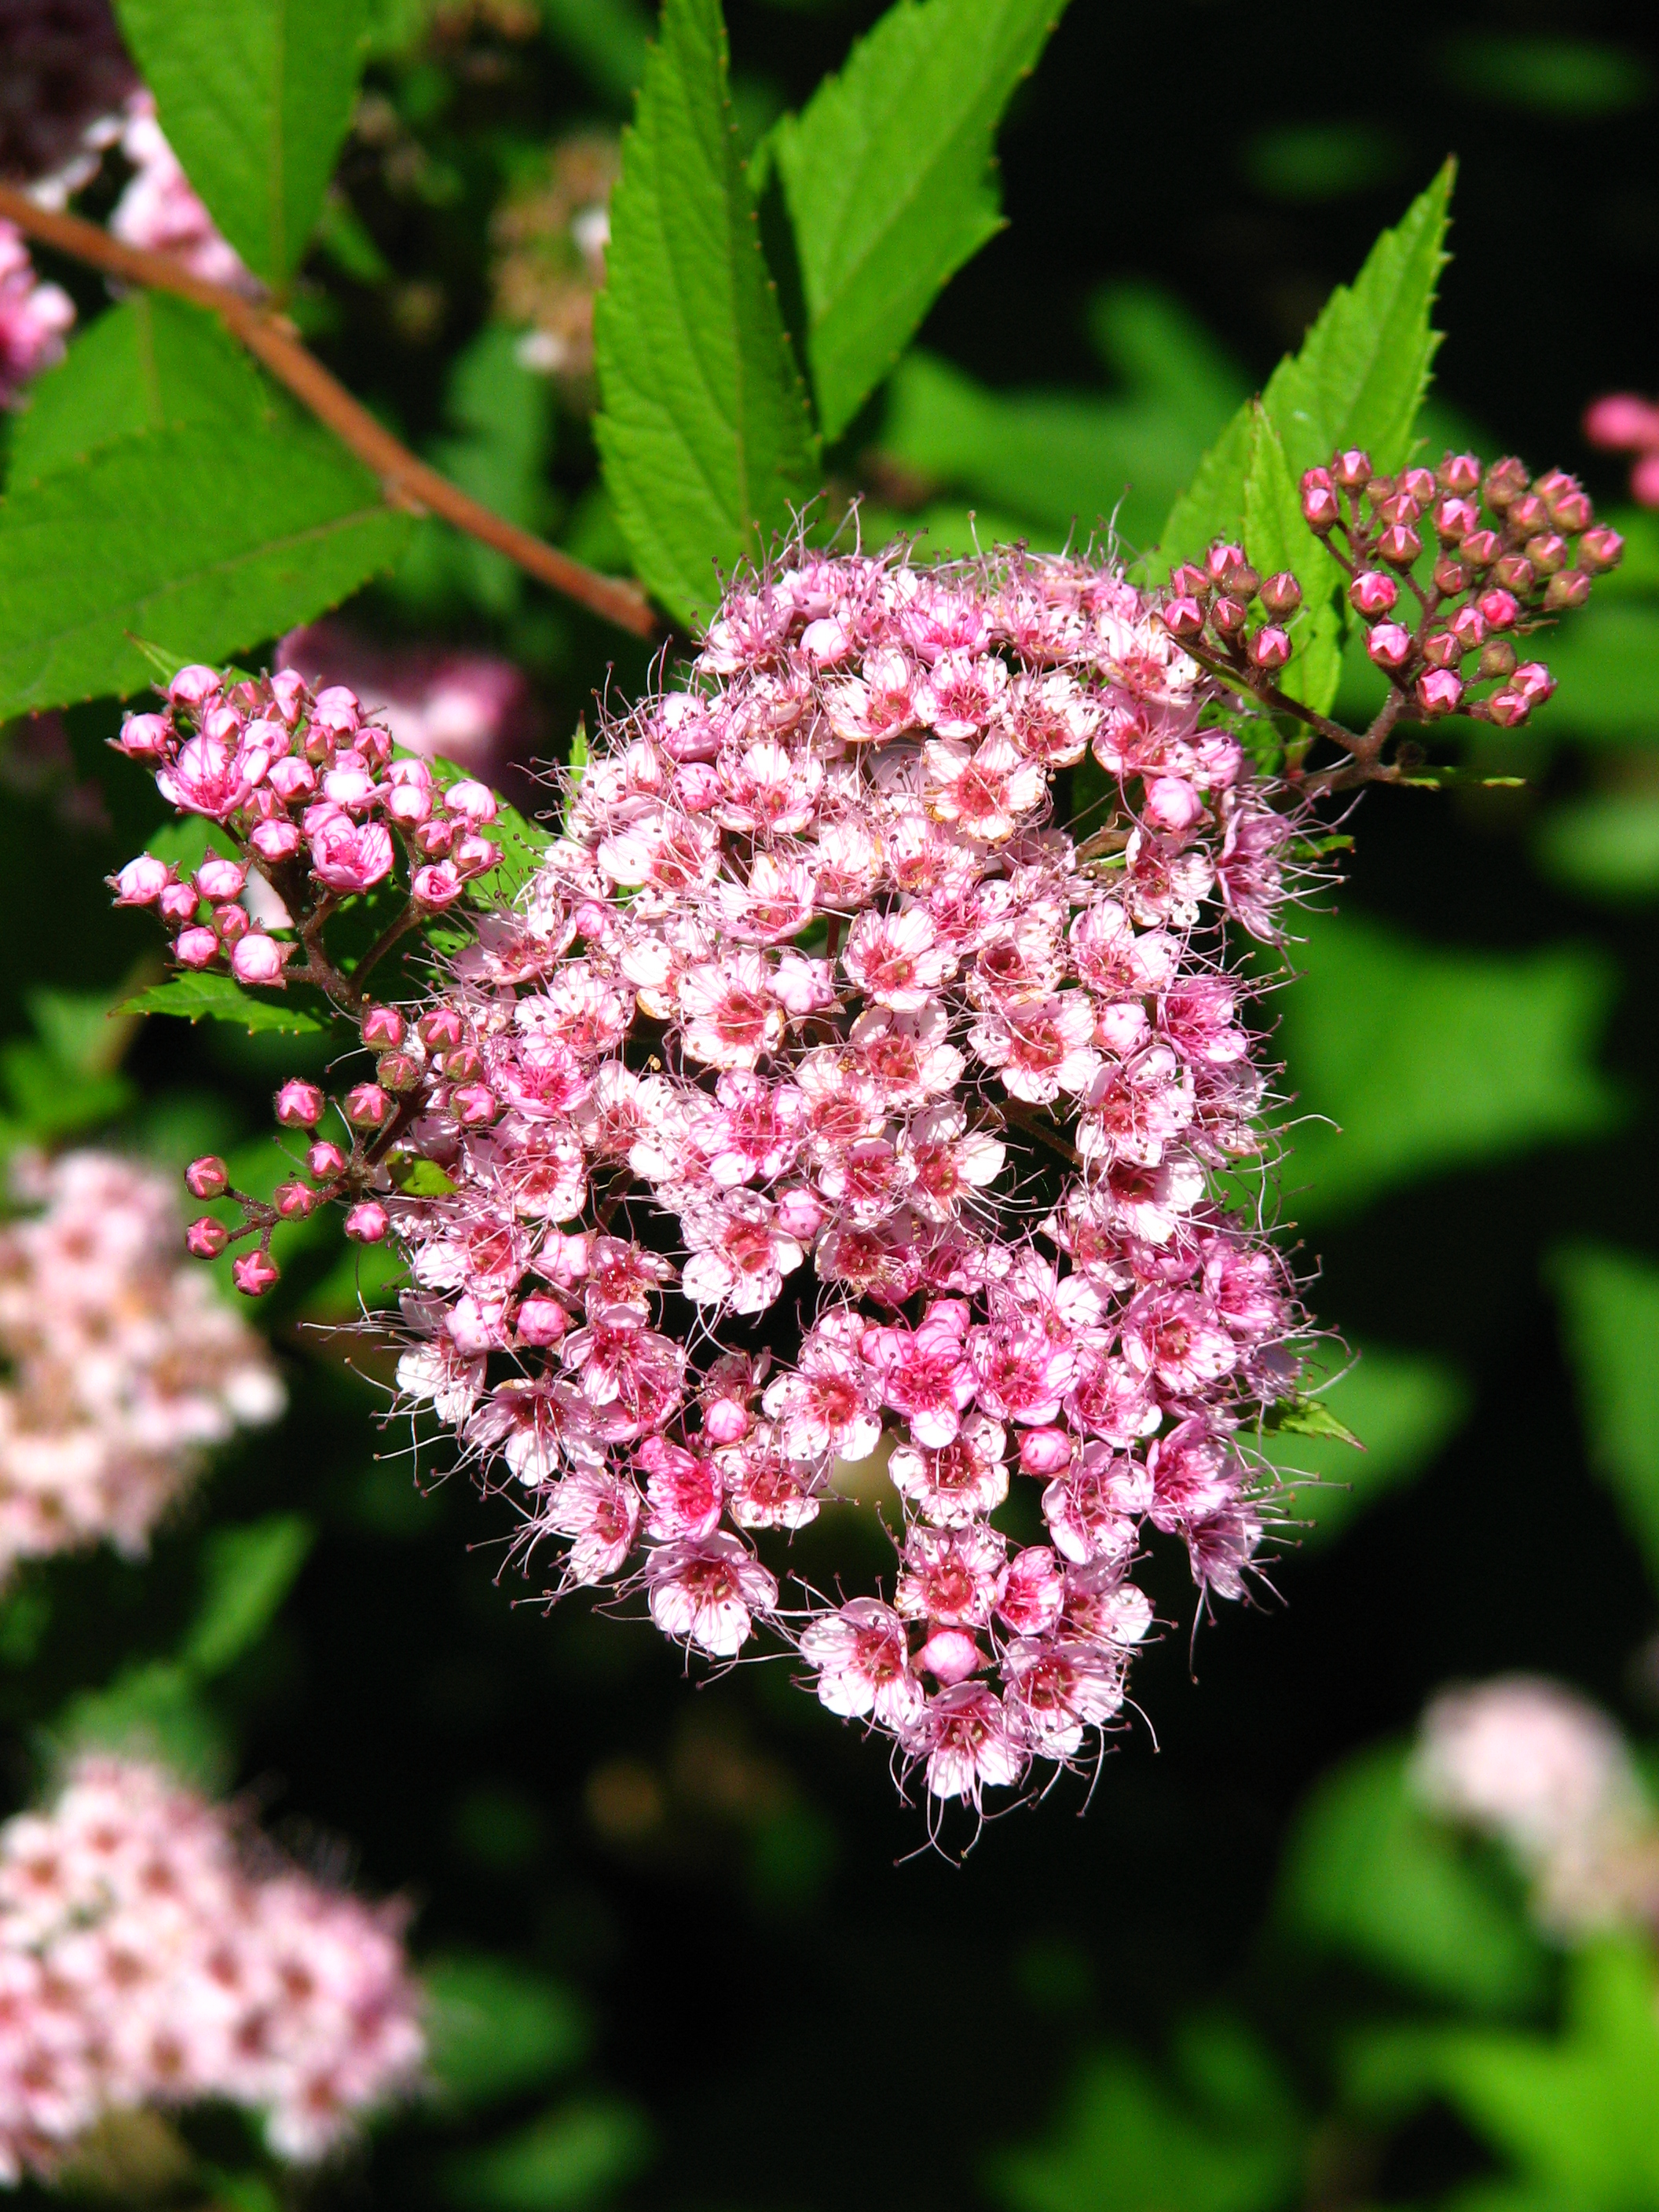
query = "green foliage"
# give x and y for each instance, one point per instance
(887, 173)
(1423, 1059)
(1278, 538)
(1606, 665)
(222, 998)
(154, 1710)
(1610, 1314)
(704, 434)
(570, 2157)
(1403, 1407)
(608, 41)
(66, 1077)
(246, 1573)
(1563, 77)
(255, 97)
(1573, 2115)
(1224, 2136)
(1604, 847)
(495, 2029)
(1311, 161)
(1368, 1875)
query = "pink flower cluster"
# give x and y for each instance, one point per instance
(811, 976)
(144, 1960)
(1624, 422)
(33, 317)
(310, 794)
(160, 210)
(436, 701)
(124, 1366)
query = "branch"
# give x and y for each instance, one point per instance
(407, 481)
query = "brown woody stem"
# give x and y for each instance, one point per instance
(407, 481)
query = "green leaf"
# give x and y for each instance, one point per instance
(420, 1178)
(1606, 665)
(704, 433)
(1408, 1060)
(607, 40)
(247, 1572)
(174, 532)
(1370, 1875)
(1277, 539)
(221, 999)
(888, 178)
(1212, 506)
(1610, 1312)
(255, 97)
(1401, 1407)
(154, 1709)
(570, 2157)
(1605, 847)
(151, 363)
(495, 2028)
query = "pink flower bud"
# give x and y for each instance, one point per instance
(324, 1161)
(1270, 648)
(350, 787)
(1182, 618)
(409, 805)
(289, 691)
(1171, 804)
(367, 1222)
(1622, 420)
(232, 922)
(697, 786)
(259, 958)
(440, 1031)
(1532, 681)
(1508, 709)
(1044, 1452)
(1498, 659)
(476, 856)
(463, 1065)
(382, 1025)
(1419, 485)
(950, 1655)
(474, 802)
(218, 880)
(145, 736)
(1440, 692)
(1500, 609)
(397, 1071)
(1389, 645)
(1221, 557)
(1480, 548)
(178, 902)
(1569, 589)
(206, 1238)
(727, 1422)
(254, 1273)
(1281, 595)
(1188, 580)
(435, 838)
(337, 711)
(1441, 650)
(300, 1104)
(799, 1214)
(1645, 482)
(367, 1107)
(1458, 473)
(292, 1200)
(1229, 615)
(1468, 626)
(1322, 510)
(293, 778)
(195, 948)
(1548, 552)
(473, 1104)
(142, 882)
(194, 686)
(541, 1321)
(206, 1177)
(1451, 577)
(1513, 572)
(1528, 514)
(1399, 545)
(1373, 593)
(275, 841)
(1601, 548)
(436, 886)
(1454, 518)
(1351, 470)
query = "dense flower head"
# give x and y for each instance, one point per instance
(125, 1366)
(148, 1957)
(33, 317)
(822, 1102)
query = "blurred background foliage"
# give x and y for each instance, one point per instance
(683, 1948)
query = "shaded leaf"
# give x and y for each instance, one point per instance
(888, 176)
(1606, 665)
(221, 999)
(495, 2028)
(704, 433)
(1610, 1312)
(567, 2158)
(247, 1572)
(154, 1709)
(1604, 847)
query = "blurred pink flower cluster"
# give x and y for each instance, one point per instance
(160, 210)
(1624, 422)
(33, 317)
(145, 1960)
(123, 1364)
(441, 702)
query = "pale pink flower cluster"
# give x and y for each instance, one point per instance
(1622, 421)
(160, 211)
(34, 318)
(124, 1366)
(145, 1959)
(1547, 1773)
(440, 702)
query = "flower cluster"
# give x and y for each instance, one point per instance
(1624, 422)
(1501, 554)
(1548, 1775)
(33, 317)
(123, 1365)
(145, 1959)
(810, 975)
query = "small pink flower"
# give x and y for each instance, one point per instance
(706, 1594)
(348, 856)
(964, 1739)
(863, 1664)
(896, 959)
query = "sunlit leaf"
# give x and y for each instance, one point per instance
(221, 999)
(1402, 1406)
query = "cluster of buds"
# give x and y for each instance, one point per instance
(316, 808)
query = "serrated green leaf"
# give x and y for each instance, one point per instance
(889, 179)
(1610, 1310)
(1212, 505)
(704, 433)
(255, 97)
(221, 999)
(495, 2028)
(173, 531)
(246, 1573)
(1277, 539)
(150, 363)
(421, 1178)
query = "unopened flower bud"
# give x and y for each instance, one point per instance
(206, 1238)
(1398, 546)
(292, 1200)
(1454, 518)
(541, 1321)
(300, 1104)
(382, 1025)
(1241, 582)
(232, 922)
(410, 804)
(1321, 508)
(367, 1107)
(142, 882)
(367, 1222)
(1501, 609)
(1389, 645)
(324, 1161)
(1281, 595)
(178, 904)
(1373, 593)
(1188, 580)
(951, 1655)
(1528, 514)
(1496, 659)
(476, 856)
(1221, 557)
(1458, 473)
(1441, 650)
(435, 838)
(1044, 1452)
(1440, 691)
(397, 1071)
(254, 1273)
(1352, 469)
(1183, 617)
(1468, 626)
(195, 948)
(1599, 549)
(1506, 481)
(474, 802)
(1229, 616)
(145, 736)
(1571, 513)
(1418, 483)
(1399, 506)
(218, 880)
(1532, 681)
(1451, 577)
(463, 1065)
(206, 1177)
(1547, 553)
(194, 686)
(1270, 648)
(473, 1104)
(1480, 548)
(260, 959)
(1508, 709)
(441, 1029)
(275, 841)
(1569, 589)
